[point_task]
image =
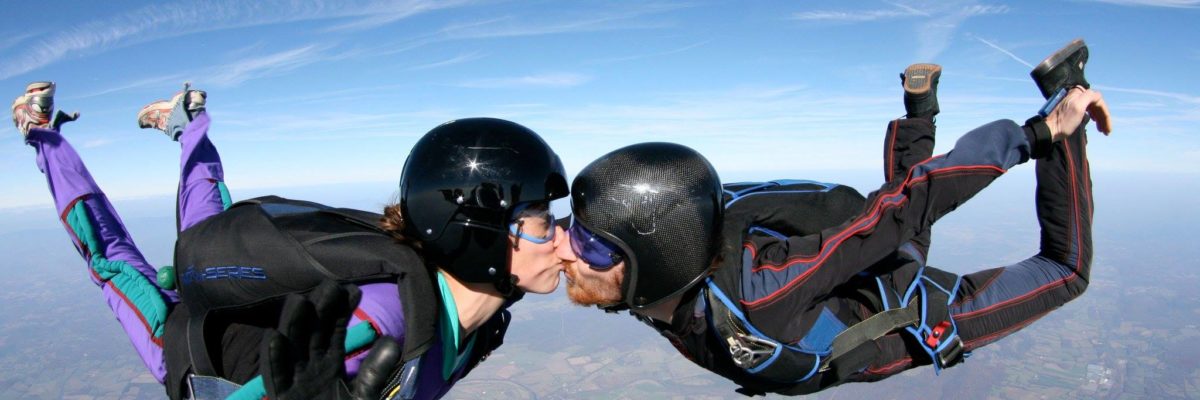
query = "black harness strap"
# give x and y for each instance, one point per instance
(851, 350)
(197, 346)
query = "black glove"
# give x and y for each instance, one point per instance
(377, 370)
(304, 358)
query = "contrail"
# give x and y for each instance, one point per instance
(1002, 50)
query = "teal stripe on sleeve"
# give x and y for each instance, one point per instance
(226, 202)
(359, 336)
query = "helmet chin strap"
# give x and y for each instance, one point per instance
(508, 287)
(613, 308)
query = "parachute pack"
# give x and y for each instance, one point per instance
(245, 260)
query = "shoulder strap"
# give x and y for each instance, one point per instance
(197, 348)
(420, 303)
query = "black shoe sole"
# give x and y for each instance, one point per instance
(1054, 73)
(1058, 57)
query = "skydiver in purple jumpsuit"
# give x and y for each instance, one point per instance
(129, 284)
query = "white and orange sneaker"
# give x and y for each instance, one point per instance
(170, 116)
(34, 108)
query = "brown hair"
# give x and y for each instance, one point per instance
(393, 222)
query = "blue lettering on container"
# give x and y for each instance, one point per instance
(192, 275)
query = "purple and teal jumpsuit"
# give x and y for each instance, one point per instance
(129, 284)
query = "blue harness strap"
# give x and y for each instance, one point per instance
(757, 353)
(934, 327)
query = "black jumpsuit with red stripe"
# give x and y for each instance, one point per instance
(801, 289)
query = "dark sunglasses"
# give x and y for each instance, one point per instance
(599, 253)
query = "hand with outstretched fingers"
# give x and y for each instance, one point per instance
(305, 357)
(1073, 110)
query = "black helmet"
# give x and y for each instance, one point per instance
(660, 203)
(459, 186)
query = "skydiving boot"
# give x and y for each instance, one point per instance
(35, 109)
(171, 116)
(920, 90)
(1063, 69)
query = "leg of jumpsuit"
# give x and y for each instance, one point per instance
(202, 191)
(993, 303)
(908, 141)
(128, 282)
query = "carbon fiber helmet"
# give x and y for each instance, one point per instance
(459, 187)
(660, 203)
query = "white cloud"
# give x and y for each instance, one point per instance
(1186, 98)
(853, 16)
(1003, 50)
(650, 55)
(934, 35)
(176, 19)
(1155, 3)
(900, 10)
(14, 40)
(94, 143)
(459, 59)
(270, 64)
(592, 21)
(553, 80)
(980, 9)
(141, 83)
(937, 22)
(383, 13)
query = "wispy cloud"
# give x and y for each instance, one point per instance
(935, 34)
(176, 19)
(552, 80)
(899, 10)
(140, 83)
(14, 40)
(383, 13)
(270, 64)
(1186, 98)
(908, 8)
(229, 74)
(937, 22)
(594, 21)
(506, 26)
(94, 143)
(650, 55)
(855, 16)
(459, 59)
(331, 125)
(1155, 3)
(1003, 50)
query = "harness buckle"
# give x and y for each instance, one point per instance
(749, 351)
(935, 335)
(952, 354)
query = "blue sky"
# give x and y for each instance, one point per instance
(318, 92)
